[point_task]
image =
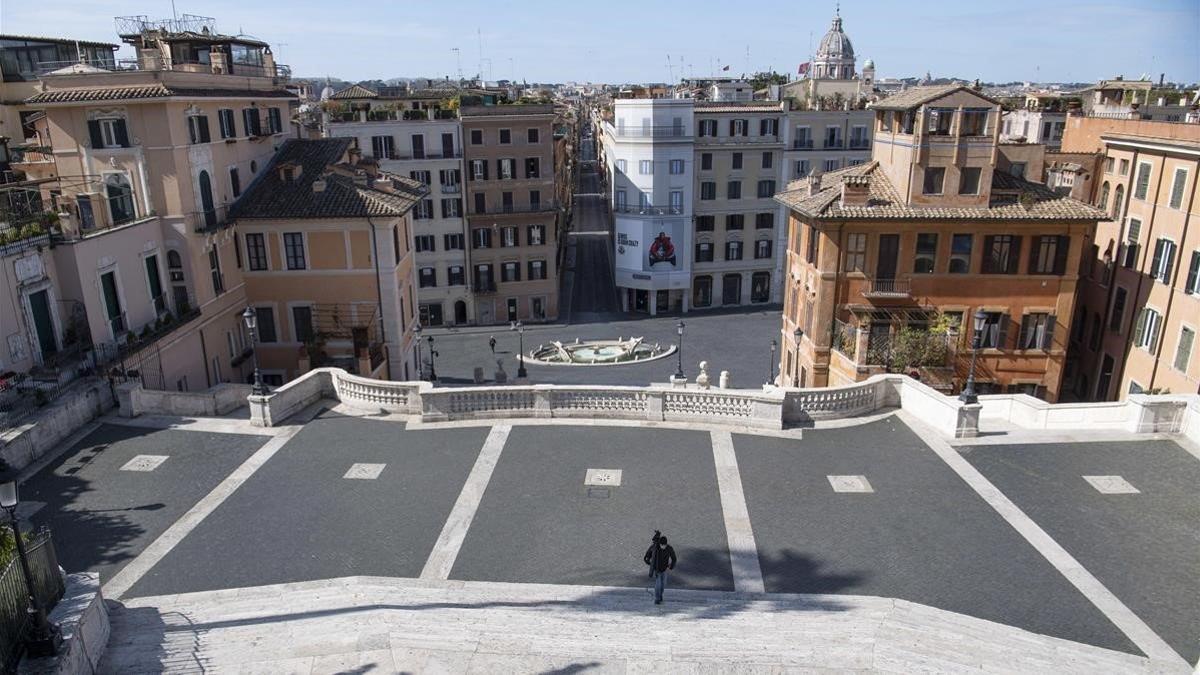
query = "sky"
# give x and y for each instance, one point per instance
(623, 41)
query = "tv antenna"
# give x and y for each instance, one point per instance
(458, 61)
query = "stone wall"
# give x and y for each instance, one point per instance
(219, 400)
(83, 402)
(83, 619)
(1138, 413)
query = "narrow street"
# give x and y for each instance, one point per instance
(589, 289)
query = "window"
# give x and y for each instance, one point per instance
(535, 235)
(452, 242)
(735, 221)
(974, 123)
(802, 168)
(1177, 185)
(452, 208)
(478, 169)
(483, 278)
(226, 124)
(537, 270)
(1037, 331)
(214, 266)
(533, 167)
(708, 127)
(506, 168)
(733, 250)
(421, 176)
(939, 121)
(1131, 243)
(302, 323)
(768, 160)
(266, 324)
(926, 257)
(676, 201)
(293, 246)
(1118, 310)
(108, 132)
(830, 165)
(733, 190)
(1102, 204)
(621, 165)
(702, 292)
(532, 135)
(856, 252)
(1118, 201)
(708, 190)
(1017, 169)
(833, 137)
(705, 223)
(762, 249)
(256, 251)
(1145, 332)
(768, 127)
(383, 147)
(450, 179)
(934, 177)
(1094, 342)
(646, 167)
(969, 180)
(198, 129)
(423, 210)
(251, 122)
(764, 221)
(427, 277)
(424, 243)
(454, 276)
(510, 271)
(706, 161)
(995, 331)
(119, 194)
(481, 238)
(1108, 164)
(477, 137)
(274, 121)
(739, 128)
(1192, 285)
(960, 253)
(1001, 253)
(1183, 350)
(235, 182)
(704, 252)
(676, 166)
(1049, 255)
(736, 161)
(505, 136)
(814, 246)
(760, 287)
(1142, 183)
(509, 237)
(1164, 261)
(766, 189)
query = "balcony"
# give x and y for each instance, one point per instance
(834, 144)
(451, 154)
(218, 66)
(860, 143)
(887, 289)
(802, 144)
(541, 207)
(211, 220)
(652, 132)
(452, 188)
(738, 140)
(648, 210)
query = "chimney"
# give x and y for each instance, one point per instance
(814, 182)
(856, 190)
(318, 185)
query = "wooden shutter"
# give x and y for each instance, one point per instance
(1060, 254)
(1158, 256)
(1143, 181)
(989, 261)
(204, 135)
(1139, 328)
(1193, 273)
(94, 132)
(1048, 338)
(1014, 258)
(121, 133)
(1002, 336)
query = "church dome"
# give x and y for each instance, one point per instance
(835, 44)
(869, 64)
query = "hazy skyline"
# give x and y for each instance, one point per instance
(1068, 41)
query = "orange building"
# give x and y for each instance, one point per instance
(889, 261)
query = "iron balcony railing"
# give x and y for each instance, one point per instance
(652, 132)
(860, 143)
(835, 144)
(649, 210)
(208, 220)
(451, 188)
(540, 207)
(887, 288)
(802, 144)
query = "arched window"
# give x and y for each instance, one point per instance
(206, 200)
(120, 198)
(1118, 202)
(1103, 204)
(174, 262)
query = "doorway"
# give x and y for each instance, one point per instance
(731, 289)
(512, 309)
(460, 313)
(43, 323)
(889, 251)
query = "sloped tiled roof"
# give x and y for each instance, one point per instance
(354, 91)
(918, 96)
(149, 91)
(1021, 200)
(270, 196)
(738, 106)
(58, 40)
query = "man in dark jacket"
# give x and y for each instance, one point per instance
(660, 557)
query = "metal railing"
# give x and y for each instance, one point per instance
(48, 586)
(652, 132)
(802, 144)
(887, 288)
(860, 143)
(451, 188)
(845, 338)
(540, 207)
(209, 220)
(456, 154)
(835, 144)
(648, 210)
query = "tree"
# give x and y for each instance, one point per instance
(762, 80)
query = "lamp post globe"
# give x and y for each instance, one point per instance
(250, 317)
(968, 394)
(43, 638)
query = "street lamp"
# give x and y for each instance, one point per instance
(520, 328)
(44, 637)
(968, 394)
(420, 362)
(679, 350)
(432, 354)
(251, 318)
(771, 365)
(797, 334)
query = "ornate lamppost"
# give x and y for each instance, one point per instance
(432, 355)
(771, 365)
(679, 350)
(968, 394)
(43, 638)
(420, 361)
(796, 335)
(520, 328)
(251, 318)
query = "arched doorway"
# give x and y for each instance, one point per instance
(206, 200)
(460, 313)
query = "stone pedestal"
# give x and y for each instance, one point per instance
(678, 382)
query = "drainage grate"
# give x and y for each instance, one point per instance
(598, 493)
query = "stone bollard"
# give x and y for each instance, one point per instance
(724, 383)
(702, 378)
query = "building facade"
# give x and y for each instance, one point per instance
(513, 216)
(888, 261)
(1135, 330)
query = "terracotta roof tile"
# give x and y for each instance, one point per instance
(354, 91)
(150, 91)
(918, 96)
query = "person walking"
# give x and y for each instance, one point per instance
(660, 557)
(492, 344)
